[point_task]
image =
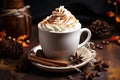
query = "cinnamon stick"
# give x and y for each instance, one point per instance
(48, 62)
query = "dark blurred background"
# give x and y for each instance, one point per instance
(85, 10)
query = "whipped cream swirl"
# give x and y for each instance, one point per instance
(61, 20)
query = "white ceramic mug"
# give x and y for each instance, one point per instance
(61, 45)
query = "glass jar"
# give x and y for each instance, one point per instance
(15, 18)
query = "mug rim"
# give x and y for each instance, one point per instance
(59, 32)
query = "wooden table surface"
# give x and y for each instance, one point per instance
(110, 53)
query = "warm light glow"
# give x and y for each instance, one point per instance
(115, 13)
(21, 39)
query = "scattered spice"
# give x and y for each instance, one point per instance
(101, 44)
(100, 65)
(105, 42)
(88, 75)
(76, 59)
(92, 72)
(70, 77)
(97, 74)
(93, 47)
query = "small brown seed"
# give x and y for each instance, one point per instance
(70, 77)
(101, 47)
(98, 74)
(83, 73)
(93, 47)
(103, 42)
(28, 41)
(9, 37)
(105, 65)
(14, 39)
(89, 76)
(99, 67)
(97, 45)
(96, 62)
(107, 42)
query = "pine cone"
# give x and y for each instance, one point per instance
(11, 49)
(2, 47)
(100, 29)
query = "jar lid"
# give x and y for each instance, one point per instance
(12, 4)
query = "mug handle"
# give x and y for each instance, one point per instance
(88, 36)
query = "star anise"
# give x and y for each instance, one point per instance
(76, 59)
